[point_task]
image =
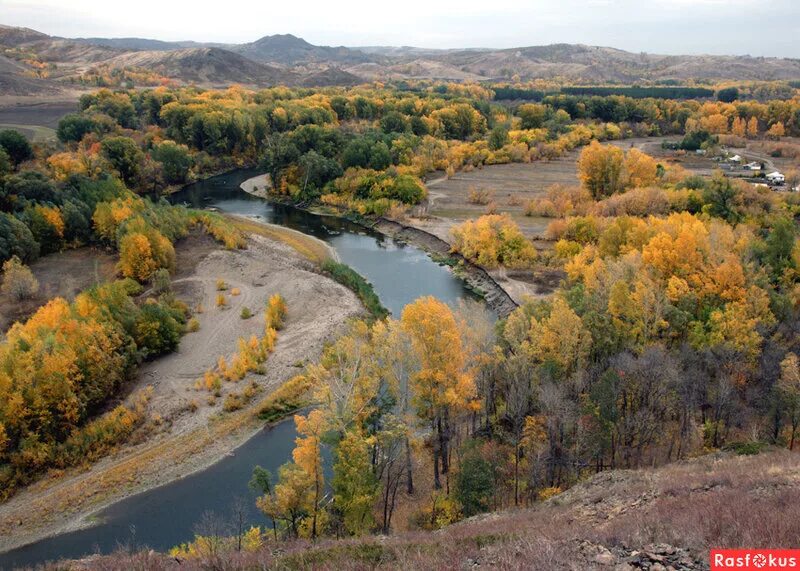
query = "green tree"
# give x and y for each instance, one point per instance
(722, 198)
(175, 159)
(16, 146)
(74, 126)
(476, 482)
(498, 137)
(125, 156)
(394, 122)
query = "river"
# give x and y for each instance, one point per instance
(165, 516)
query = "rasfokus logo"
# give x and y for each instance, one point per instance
(754, 559)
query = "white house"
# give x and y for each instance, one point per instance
(754, 166)
(735, 159)
(776, 178)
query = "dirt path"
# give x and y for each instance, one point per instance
(186, 431)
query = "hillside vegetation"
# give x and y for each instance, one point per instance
(645, 519)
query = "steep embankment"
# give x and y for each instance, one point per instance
(476, 277)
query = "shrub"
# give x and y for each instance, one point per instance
(232, 402)
(221, 301)
(221, 285)
(479, 196)
(18, 281)
(192, 325)
(246, 313)
(275, 312)
(236, 291)
(492, 241)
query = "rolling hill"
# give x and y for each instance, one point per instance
(287, 59)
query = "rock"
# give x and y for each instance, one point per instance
(605, 557)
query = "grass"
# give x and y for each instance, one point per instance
(307, 246)
(349, 278)
(290, 397)
(37, 133)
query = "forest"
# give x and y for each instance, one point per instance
(674, 330)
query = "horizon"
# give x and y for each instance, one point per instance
(663, 27)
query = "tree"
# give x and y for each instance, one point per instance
(394, 122)
(175, 159)
(157, 331)
(261, 483)
(16, 239)
(74, 126)
(5, 165)
(355, 486)
(532, 115)
(307, 456)
(18, 281)
(498, 137)
(722, 198)
(728, 94)
(776, 131)
(493, 240)
(315, 171)
(641, 169)
(16, 146)
(475, 482)
(442, 386)
(124, 155)
(789, 393)
(47, 227)
(752, 127)
(32, 186)
(600, 168)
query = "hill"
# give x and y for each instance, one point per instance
(667, 518)
(207, 66)
(289, 50)
(603, 64)
(285, 58)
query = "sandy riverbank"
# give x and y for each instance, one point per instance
(185, 432)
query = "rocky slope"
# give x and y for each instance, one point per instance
(622, 520)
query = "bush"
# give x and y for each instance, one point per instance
(493, 240)
(193, 325)
(158, 329)
(221, 285)
(18, 281)
(221, 301)
(275, 313)
(246, 313)
(479, 196)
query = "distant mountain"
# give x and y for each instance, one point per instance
(287, 59)
(290, 50)
(575, 62)
(144, 44)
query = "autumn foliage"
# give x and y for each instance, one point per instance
(492, 241)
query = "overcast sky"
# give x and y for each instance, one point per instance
(755, 27)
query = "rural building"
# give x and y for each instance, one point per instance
(776, 178)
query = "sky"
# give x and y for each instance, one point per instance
(736, 27)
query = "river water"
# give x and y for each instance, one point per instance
(165, 516)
